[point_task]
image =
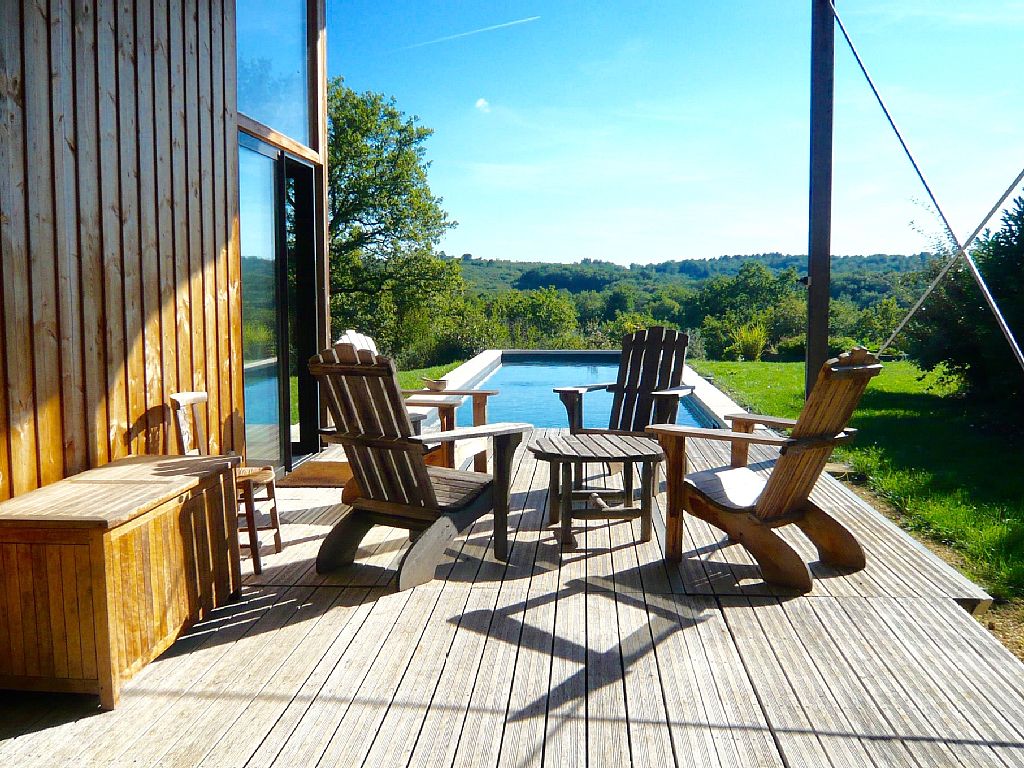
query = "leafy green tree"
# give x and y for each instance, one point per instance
(535, 318)
(956, 330)
(383, 222)
(379, 201)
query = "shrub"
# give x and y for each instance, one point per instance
(749, 341)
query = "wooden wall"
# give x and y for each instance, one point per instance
(118, 230)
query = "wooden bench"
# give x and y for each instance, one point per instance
(99, 573)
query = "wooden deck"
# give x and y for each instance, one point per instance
(600, 656)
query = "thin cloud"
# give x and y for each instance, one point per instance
(483, 105)
(474, 32)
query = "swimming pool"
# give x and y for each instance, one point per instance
(526, 381)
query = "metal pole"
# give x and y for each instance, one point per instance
(819, 245)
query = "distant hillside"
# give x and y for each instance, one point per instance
(491, 275)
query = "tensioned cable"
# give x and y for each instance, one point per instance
(960, 250)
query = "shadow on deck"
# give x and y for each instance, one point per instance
(604, 656)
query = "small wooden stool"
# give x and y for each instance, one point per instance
(565, 452)
(193, 443)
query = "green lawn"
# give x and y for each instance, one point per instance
(412, 379)
(920, 451)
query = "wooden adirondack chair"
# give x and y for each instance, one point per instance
(649, 383)
(746, 505)
(397, 486)
(647, 390)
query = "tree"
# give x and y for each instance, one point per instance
(532, 318)
(955, 328)
(383, 220)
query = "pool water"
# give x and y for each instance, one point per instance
(525, 387)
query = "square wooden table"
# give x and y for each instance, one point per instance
(565, 452)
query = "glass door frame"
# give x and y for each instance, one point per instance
(308, 406)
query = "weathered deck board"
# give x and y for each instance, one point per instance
(599, 655)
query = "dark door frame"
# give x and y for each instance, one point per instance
(307, 311)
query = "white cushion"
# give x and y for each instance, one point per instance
(733, 487)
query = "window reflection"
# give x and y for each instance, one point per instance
(272, 65)
(258, 242)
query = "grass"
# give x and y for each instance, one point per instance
(413, 379)
(951, 478)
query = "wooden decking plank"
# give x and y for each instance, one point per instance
(357, 706)
(894, 656)
(827, 718)
(333, 633)
(321, 701)
(522, 742)
(606, 701)
(884, 685)
(687, 687)
(480, 739)
(1003, 665)
(793, 727)
(241, 671)
(401, 724)
(1000, 704)
(248, 679)
(881, 739)
(565, 738)
(650, 738)
(440, 729)
(148, 694)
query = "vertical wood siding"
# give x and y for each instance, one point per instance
(118, 230)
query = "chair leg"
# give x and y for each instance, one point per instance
(249, 497)
(835, 544)
(339, 547)
(421, 561)
(779, 562)
(275, 519)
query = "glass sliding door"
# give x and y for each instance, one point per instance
(259, 225)
(279, 303)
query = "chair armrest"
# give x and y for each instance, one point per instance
(444, 392)
(680, 391)
(767, 421)
(676, 430)
(585, 388)
(465, 433)
(432, 403)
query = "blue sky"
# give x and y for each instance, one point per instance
(645, 131)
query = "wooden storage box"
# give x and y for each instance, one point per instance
(99, 573)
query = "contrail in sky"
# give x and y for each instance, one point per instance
(474, 32)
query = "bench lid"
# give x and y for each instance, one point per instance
(111, 495)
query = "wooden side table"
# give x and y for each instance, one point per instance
(565, 452)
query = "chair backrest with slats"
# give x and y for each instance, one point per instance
(652, 359)
(190, 425)
(836, 392)
(358, 340)
(362, 394)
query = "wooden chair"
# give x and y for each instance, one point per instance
(193, 442)
(446, 402)
(647, 389)
(746, 505)
(397, 486)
